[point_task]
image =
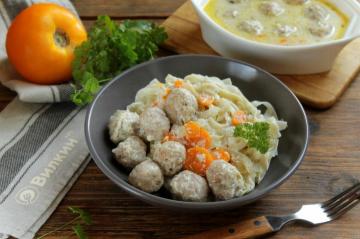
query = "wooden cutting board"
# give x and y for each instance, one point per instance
(318, 90)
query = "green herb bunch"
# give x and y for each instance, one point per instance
(256, 134)
(110, 49)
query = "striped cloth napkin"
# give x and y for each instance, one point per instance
(42, 146)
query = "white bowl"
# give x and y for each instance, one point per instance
(300, 59)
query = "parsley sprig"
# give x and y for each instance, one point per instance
(256, 134)
(81, 218)
(110, 49)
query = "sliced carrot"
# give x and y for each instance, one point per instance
(198, 160)
(239, 117)
(206, 100)
(196, 135)
(220, 153)
(178, 83)
(167, 92)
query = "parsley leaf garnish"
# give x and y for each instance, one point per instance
(79, 231)
(256, 134)
(110, 49)
(81, 219)
(82, 214)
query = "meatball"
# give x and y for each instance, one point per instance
(147, 176)
(179, 133)
(224, 180)
(188, 186)
(123, 124)
(316, 13)
(181, 106)
(321, 29)
(252, 26)
(130, 152)
(170, 156)
(154, 124)
(271, 8)
(285, 30)
(231, 14)
(152, 147)
(296, 2)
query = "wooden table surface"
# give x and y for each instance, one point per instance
(332, 163)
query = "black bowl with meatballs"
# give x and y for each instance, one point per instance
(196, 132)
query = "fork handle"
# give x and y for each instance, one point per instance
(246, 229)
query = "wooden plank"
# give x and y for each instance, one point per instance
(6, 96)
(319, 90)
(127, 9)
(323, 90)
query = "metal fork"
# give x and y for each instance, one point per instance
(314, 214)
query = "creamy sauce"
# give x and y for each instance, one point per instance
(284, 22)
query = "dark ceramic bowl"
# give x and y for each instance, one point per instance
(255, 83)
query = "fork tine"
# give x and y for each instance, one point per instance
(342, 196)
(342, 204)
(344, 199)
(345, 208)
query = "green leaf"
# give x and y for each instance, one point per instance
(91, 84)
(110, 49)
(84, 215)
(256, 134)
(79, 231)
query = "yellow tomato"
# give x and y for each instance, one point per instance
(41, 40)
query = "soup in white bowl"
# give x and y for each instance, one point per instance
(284, 22)
(287, 58)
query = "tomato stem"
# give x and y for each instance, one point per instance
(61, 38)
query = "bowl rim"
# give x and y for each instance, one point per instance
(238, 39)
(177, 204)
